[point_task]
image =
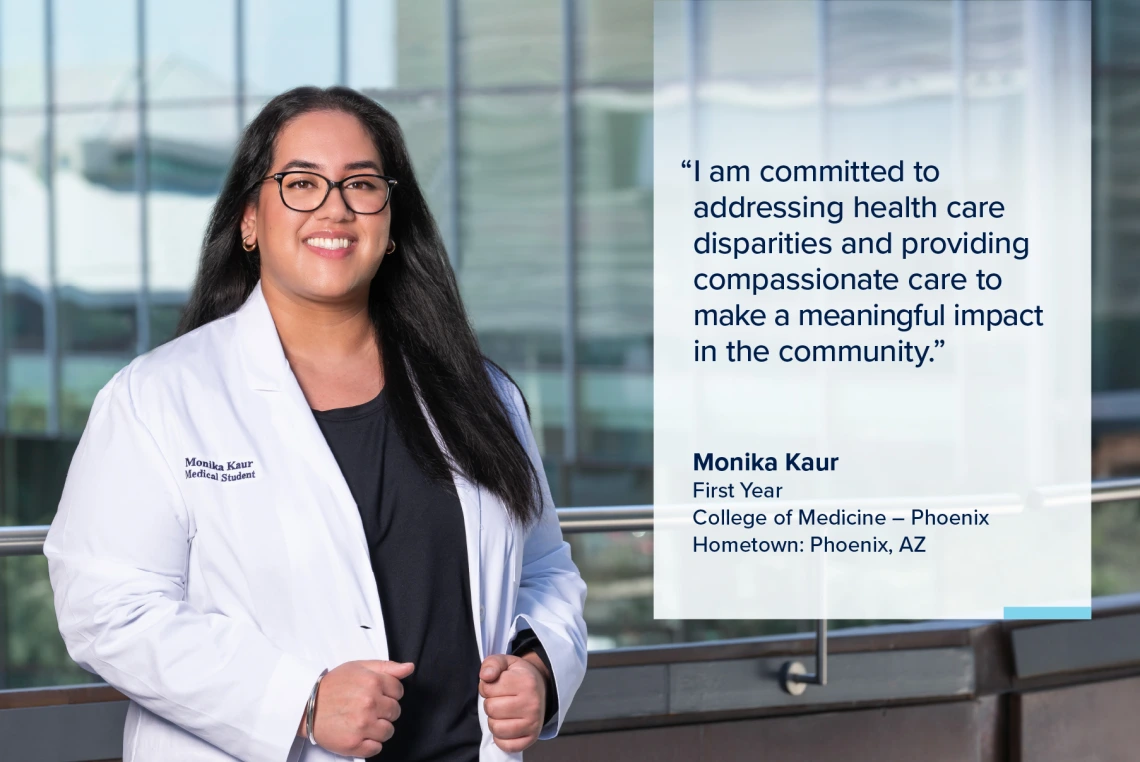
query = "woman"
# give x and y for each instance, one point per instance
(316, 523)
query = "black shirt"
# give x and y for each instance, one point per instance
(418, 547)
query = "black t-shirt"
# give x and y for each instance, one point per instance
(416, 540)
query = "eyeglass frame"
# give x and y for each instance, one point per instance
(338, 184)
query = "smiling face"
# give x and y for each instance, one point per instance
(332, 253)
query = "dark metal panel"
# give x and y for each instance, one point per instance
(1076, 646)
(738, 684)
(1085, 722)
(748, 683)
(621, 692)
(939, 733)
(991, 721)
(69, 733)
(675, 744)
(947, 732)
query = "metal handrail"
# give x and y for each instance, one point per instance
(29, 540)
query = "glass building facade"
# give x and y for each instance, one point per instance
(530, 126)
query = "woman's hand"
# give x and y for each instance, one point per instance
(356, 705)
(514, 693)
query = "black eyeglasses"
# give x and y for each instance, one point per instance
(305, 191)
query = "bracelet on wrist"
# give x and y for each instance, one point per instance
(311, 708)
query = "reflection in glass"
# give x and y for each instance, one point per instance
(419, 41)
(290, 43)
(23, 317)
(615, 284)
(188, 154)
(377, 44)
(95, 68)
(729, 51)
(422, 121)
(512, 259)
(510, 43)
(97, 324)
(190, 50)
(97, 206)
(27, 384)
(615, 40)
(23, 206)
(23, 257)
(864, 50)
(82, 378)
(22, 80)
(164, 317)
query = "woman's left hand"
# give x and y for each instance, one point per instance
(514, 693)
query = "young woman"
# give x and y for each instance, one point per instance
(316, 523)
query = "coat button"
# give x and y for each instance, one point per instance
(482, 613)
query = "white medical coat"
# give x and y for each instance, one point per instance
(214, 603)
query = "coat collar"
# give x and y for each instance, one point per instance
(259, 346)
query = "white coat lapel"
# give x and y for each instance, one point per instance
(322, 501)
(470, 500)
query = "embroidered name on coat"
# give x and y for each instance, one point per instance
(225, 471)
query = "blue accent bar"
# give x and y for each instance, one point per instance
(1048, 612)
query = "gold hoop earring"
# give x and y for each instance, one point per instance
(250, 247)
(391, 247)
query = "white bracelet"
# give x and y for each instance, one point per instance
(311, 707)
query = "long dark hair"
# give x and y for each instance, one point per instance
(426, 342)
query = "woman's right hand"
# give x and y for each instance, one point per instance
(356, 705)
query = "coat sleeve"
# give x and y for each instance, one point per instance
(551, 591)
(117, 553)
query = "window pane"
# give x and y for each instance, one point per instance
(97, 324)
(164, 318)
(510, 43)
(97, 252)
(23, 205)
(864, 42)
(27, 384)
(23, 317)
(729, 49)
(423, 121)
(396, 44)
(190, 49)
(83, 376)
(616, 483)
(1116, 30)
(97, 206)
(512, 263)
(1116, 274)
(289, 44)
(23, 257)
(95, 68)
(615, 287)
(22, 82)
(375, 42)
(188, 155)
(615, 40)
(419, 43)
